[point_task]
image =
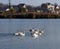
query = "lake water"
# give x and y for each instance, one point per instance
(49, 40)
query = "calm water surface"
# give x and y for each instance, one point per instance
(49, 40)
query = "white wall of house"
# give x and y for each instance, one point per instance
(51, 8)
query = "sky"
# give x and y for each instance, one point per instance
(30, 2)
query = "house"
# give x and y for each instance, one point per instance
(22, 8)
(44, 7)
(22, 5)
(51, 7)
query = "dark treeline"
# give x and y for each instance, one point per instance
(6, 9)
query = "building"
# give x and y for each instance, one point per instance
(22, 8)
(54, 8)
(44, 7)
(51, 7)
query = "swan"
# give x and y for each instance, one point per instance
(41, 32)
(32, 30)
(35, 35)
(20, 33)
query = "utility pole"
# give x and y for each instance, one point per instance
(9, 4)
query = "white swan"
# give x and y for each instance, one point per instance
(32, 30)
(35, 35)
(20, 33)
(42, 31)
